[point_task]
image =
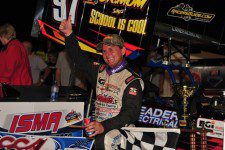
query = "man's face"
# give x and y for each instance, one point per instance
(112, 55)
(52, 59)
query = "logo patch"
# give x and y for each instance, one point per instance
(35, 122)
(133, 91)
(101, 81)
(72, 116)
(186, 12)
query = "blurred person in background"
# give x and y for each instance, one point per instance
(66, 74)
(43, 48)
(37, 65)
(14, 62)
(52, 59)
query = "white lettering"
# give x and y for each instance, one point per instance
(157, 113)
(149, 112)
(145, 119)
(60, 10)
(156, 121)
(174, 116)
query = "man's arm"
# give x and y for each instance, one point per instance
(58, 76)
(78, 56)
(43, 66)
(47, 71)
(131, 107)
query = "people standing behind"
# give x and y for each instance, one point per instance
(118, 90)
(14, 62)
(65, 72)
(52, 59)
(37, 65)
(43, 48)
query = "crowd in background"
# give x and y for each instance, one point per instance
(52, 65)
(33, 62)
(49, 63)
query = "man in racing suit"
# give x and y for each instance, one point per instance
(118, 89)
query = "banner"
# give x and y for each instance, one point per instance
(158, 117)
(42, 118)
(215, 125)
(186, 21)
(214, 140)
(93, 20)
(23, 141)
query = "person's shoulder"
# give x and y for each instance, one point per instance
(62, 55)
(101, 67)
(15, 46)
(37, 57)
(63, 52)
(134, 78)
(132, 73)
(14, 42)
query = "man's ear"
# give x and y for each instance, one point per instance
(123, 51)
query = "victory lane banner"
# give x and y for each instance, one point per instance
(55, 35)
(216, 126)
(157, 116)
(41, 118)
(23, 141)
(92, 20)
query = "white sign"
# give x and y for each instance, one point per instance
(38, 117)
(216, 126)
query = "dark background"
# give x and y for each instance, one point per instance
(19, 13)
(208, 31)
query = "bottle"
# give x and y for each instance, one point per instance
(87, 120)
(54, 91)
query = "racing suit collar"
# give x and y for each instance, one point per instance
(116, 69)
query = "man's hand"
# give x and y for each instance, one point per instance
(66, 26)
(95, 127)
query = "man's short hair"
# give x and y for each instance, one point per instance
(7, 31)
